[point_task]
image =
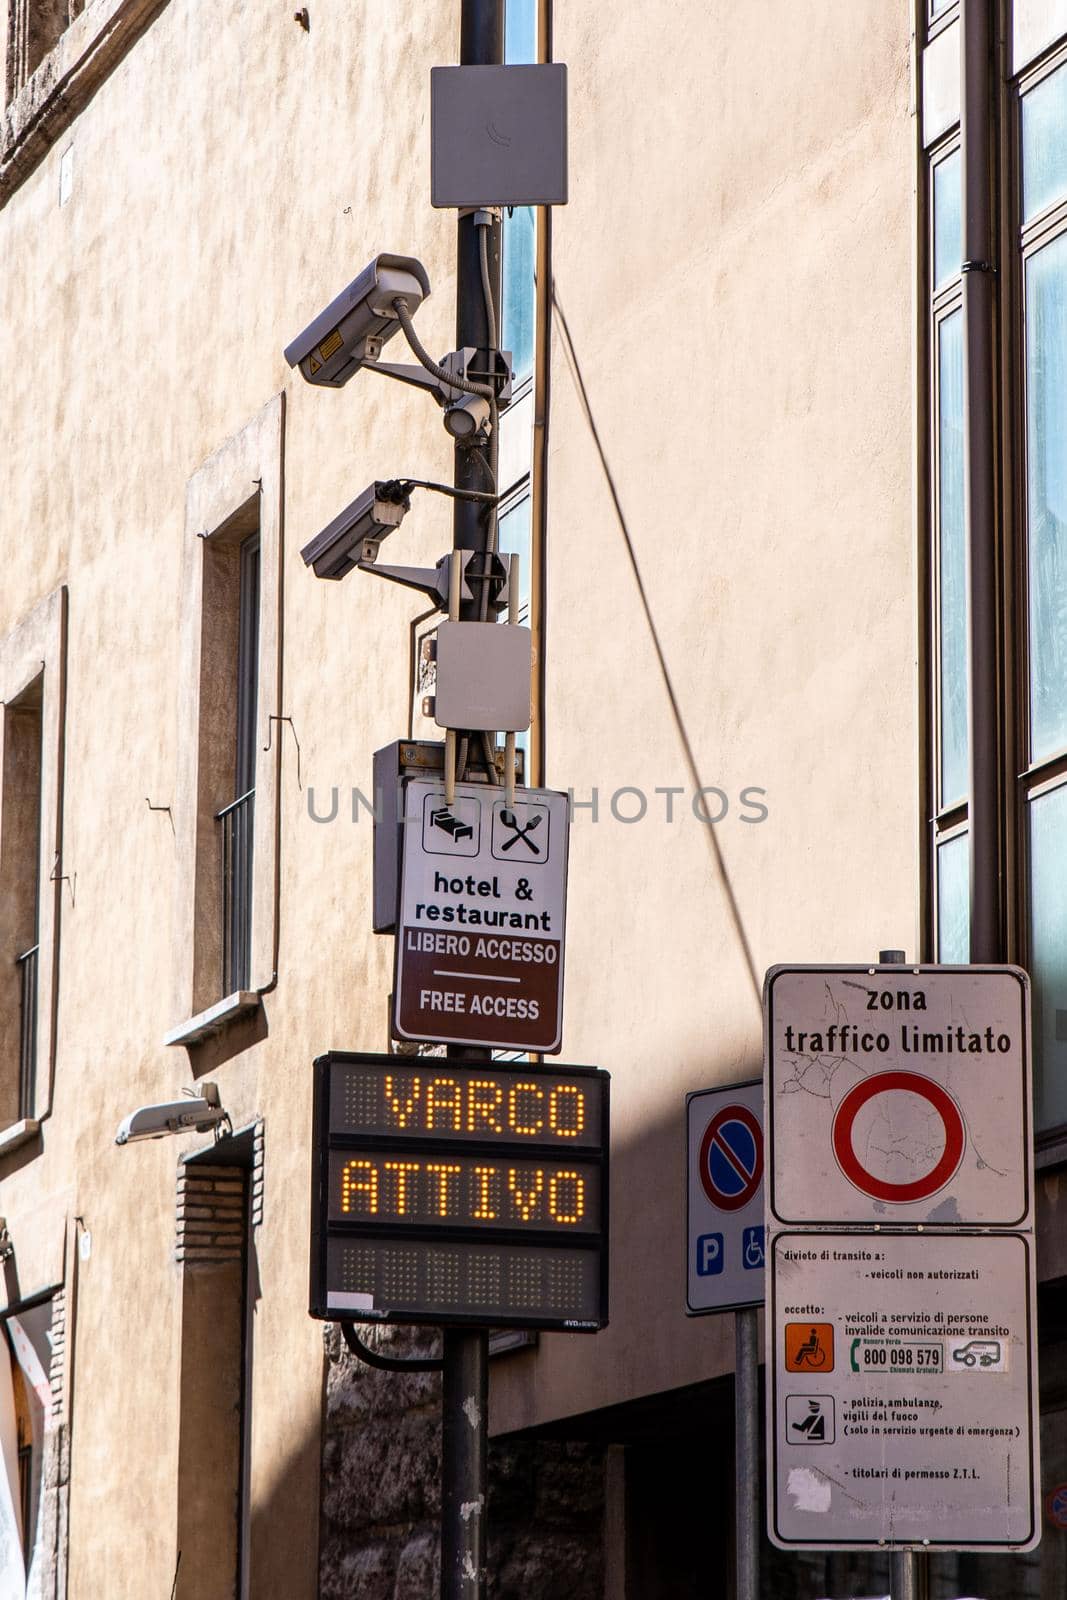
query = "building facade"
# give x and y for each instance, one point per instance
(735, 460)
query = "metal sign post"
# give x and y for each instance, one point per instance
(724, 1271)
(746, 1451)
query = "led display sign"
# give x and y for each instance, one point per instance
(455, 1191)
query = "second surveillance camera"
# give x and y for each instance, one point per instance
(353, 328)
(355, 534)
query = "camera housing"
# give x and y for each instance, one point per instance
(354, 327)
(355, 534)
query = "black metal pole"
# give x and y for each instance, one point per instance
(465, 1445)
(979, 480)
(481, 45)
(465, 1390)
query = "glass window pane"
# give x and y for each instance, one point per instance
(1048, 954)
(952, 563)
(1035, 24)
(520, 32)
(1046, 484)
(938, 6)
(1044, 113)
(514, 538)
(953, 901)
(948, 245)
(519, 288)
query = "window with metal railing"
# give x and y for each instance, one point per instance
(236, 821)
(27, 969)
(20, 804)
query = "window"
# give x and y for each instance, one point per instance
(33, 29)
(949, 589)
(229, 689)
(1031, 290)
(22, 811)
(237, 819)
(519, 334)
(1043, 662)
(32, 879)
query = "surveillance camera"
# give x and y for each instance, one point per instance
(354, 327)
(466, 417)
(173, 1116)
(355, 535)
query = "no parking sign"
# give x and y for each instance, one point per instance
(724, 1267)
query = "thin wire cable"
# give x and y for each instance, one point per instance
(491, 532)
(679, 721)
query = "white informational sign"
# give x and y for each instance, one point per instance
(724, 1130)
(480, 936)
(900, 1340)
(898, 1094)
(903, 1406)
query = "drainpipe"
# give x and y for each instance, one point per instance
(979, 483)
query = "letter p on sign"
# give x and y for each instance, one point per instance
(709, 1254)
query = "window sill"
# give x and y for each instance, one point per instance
(217, 1017)
(18, 1133)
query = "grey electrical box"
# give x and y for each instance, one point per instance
(498, 136)
(483, 677)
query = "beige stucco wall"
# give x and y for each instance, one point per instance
(747, 353)
(736, 264)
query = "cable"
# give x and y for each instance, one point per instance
(454, 380)
(386, 1363)
(400, 487)
(679, 722)
(491, 532)
(490, 476)
(490, 764)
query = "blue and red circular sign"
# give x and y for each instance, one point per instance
(731, 1158)
(1056, 1506)
(909, 1083)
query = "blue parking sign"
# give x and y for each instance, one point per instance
(710, 1255)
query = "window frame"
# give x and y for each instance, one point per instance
(943, 822)
(1032, 778)
(37, 648)
(245, 472)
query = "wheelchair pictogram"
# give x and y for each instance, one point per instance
(752, 1248)
(809, 1347)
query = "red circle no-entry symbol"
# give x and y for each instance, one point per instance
(910, 1083)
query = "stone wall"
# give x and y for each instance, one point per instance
(381, 1462)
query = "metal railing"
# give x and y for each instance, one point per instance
(237, 822)
(27, 965)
